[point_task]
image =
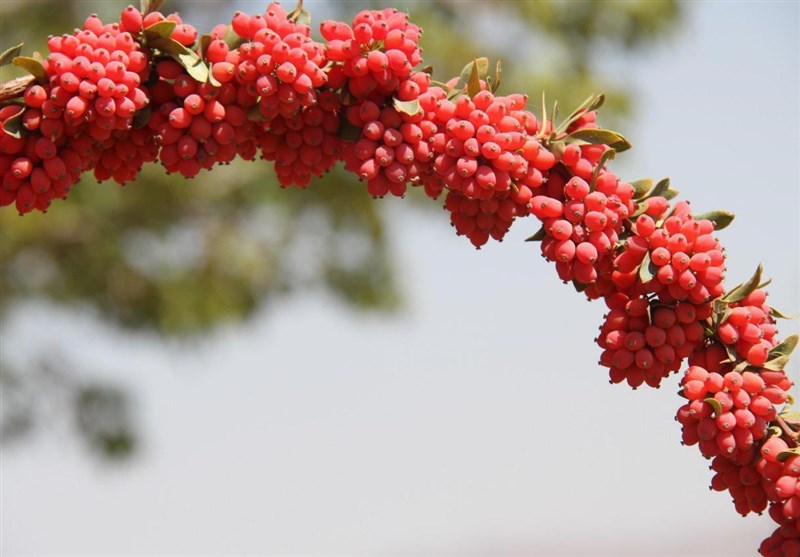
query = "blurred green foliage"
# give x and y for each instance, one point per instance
(179, 257)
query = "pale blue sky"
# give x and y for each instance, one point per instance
(476, 422)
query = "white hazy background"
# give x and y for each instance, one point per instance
(477, 421)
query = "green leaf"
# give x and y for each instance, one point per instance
(791, 416)
(741, 366)
(191, 62)
(32, 66)
(10, 54)
(607, 155)
(474, 81)
(538, 237)
(498, 71)
(407, 107)
(231, 38)
(779, 356)
(721, 219)
(593, 102)
(483, 69)
(599, 137)
(731, 351)
(647, 270)
(160, 30)
(744, 289)
(777, 314)
(641, 208)
(13, 125)
(202, 45)
(715, 404)
(784, 456)
(641, 187)
(661, 188)
(149, 6)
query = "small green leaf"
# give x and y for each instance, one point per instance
(593, 102)
(498, 71)
(641, 187)
(641, 208)
(785, 455)
(599, 137)
(791, 416)
(32, 66)
(731, 351)
(779, 356)
(160, 30)
(483, 69)
(538, 237)
(407, 107)
(743, 290)
(607, 155)
(721, 219)
(474, 81)
(777, 314)
(10, 54)
(231, 38)
(149, 6)
(202, 44)
(191, 62)
(647, 270)
(660, 189)
(715, 404)
(13, 125)
(741, 366)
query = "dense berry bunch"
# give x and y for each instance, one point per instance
(279, 66)
(304, 145)
(687, 260)
(726, 413)
(581, 232)
(198, 125)
(373, 57)
(488, 157)
(645, 341)
(394, 148)
(750, 328)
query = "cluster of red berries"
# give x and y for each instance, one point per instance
(644, 341)
(394, 148)
(93, 90)
(374, 56)
(581, 232)
(738, 416)
(279, 66)
(688, 260)
(487, 155)
(148, 88)
(750, 328)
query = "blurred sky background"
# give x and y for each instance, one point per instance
(476, 420)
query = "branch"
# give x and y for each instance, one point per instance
(15, 88)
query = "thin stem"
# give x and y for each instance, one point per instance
(791, 435)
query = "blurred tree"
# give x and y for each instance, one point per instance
(180, 257)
